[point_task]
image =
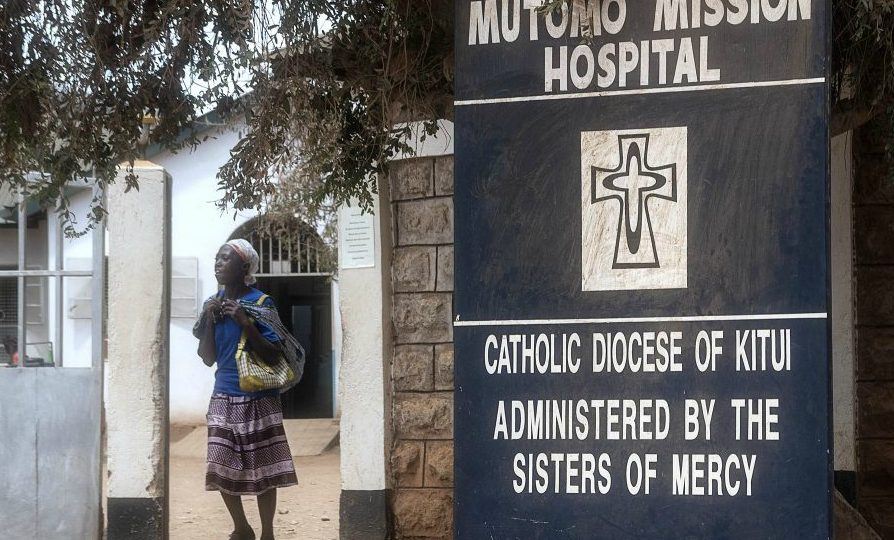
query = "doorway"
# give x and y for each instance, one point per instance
(305, 307)
(294, 270)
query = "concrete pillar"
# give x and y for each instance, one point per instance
(843, 372)
(137, 370)
(364, 293)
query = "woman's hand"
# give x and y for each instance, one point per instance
(212, 308)
(233, 309)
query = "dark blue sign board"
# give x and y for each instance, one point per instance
(642, 269)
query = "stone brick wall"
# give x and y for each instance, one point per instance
(422, 361)
(874, 268)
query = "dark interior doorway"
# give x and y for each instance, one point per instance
(305, 307)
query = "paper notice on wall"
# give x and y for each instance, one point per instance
(356, 238)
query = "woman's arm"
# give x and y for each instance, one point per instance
(207, 344)
(265, 349)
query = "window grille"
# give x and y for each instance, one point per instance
(8, 314)
(24, 293)
(298, 252)
(36, 301)
(79, 290)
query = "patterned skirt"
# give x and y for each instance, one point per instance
(248, 453)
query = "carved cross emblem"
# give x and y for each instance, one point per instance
(632, 184)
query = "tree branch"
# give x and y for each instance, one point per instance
(848, 114)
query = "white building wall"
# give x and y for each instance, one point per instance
(198, 230)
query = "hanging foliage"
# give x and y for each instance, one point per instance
(322, 86)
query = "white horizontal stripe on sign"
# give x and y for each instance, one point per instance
(637, 91)
(692, 318)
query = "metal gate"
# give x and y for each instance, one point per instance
(50, 405)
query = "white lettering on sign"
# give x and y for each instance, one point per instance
(493, 21)
(712, 474)
(757, 417)
(683, 60)
(640, 473)
(622, 64)
(674, 14)
(562, 473)
(596, 419)
(698, 418)
(637, 352)
(648, 352)
(586, 18)
(483, 23)
(707, 348)
(764, 350)
(532, 353)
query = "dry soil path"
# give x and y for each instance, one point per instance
(308, 511)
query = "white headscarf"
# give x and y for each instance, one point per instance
(247, 253)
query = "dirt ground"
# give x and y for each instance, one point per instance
(308, 511)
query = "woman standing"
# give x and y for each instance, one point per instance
(248, 453)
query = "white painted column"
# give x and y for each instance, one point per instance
(365, 299)
(137, 369)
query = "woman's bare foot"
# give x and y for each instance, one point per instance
(242, 534)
